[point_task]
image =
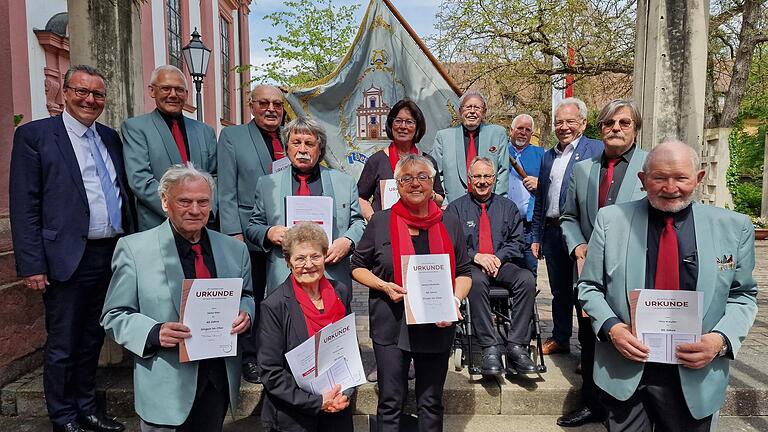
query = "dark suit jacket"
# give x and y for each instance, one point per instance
(587, 148)
(281, 329)
(49, 207)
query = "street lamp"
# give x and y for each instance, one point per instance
(196, 56)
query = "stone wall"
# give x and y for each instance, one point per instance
(715, 159)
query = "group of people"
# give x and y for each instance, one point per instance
(108, 226)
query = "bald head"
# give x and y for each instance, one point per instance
(672, 149)
(670, 175)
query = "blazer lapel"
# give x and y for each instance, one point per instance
(325, 178)
(224, 265)
(168, 142)
(705, 249)
(629, 185)
(637, 245)
(196, 146)
(170, 255)
(61, 137)
(297, 323)
(461, 155)
(593, 190)
(261, 147)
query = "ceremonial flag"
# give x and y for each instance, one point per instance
(387, 62)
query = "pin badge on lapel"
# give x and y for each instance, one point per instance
(492, 149)
(471, 224)
(726, 263)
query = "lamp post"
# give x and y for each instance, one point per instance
(196, 56)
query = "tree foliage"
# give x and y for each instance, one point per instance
(315, 36)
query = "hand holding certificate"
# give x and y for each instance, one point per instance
(429, 289)
(317, 209)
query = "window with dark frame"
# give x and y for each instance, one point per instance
(226, 97)
(174, 33)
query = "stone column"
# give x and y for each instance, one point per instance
(670, 69)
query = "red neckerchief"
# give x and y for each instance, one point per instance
(333, 308)
(439, 241)
(394, 157)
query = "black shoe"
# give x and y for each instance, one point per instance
(519, 360)
(69, 427)
(252, 372)
(580, 417)
(490, 364)
(100, 423)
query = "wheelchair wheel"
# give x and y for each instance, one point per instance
(457, 360)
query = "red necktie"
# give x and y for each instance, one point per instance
(179, 138)
(485, 240)
(277, 148)
(605, 184)
(471, 154)
(667, 262)
(303, 187)
(201, 270)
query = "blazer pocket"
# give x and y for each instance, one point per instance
(50, 234)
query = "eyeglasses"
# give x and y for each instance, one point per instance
(570, 123)
(166, 90)
(297, 144)
(472, 108)
(264, 104)
(478, 177)
(302, 261)
(624, 123)
(187, 203)
(407, 122)
(84, 92)
(406, 179)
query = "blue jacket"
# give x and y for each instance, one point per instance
(530, 159)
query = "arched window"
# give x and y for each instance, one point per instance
(372, 102)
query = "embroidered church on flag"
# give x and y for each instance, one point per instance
(387, 62)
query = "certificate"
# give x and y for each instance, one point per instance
(330, 357)
(389, 193)
(317, 209)
(280, 165)
(208, 308)
(429, 289)
(664, 319)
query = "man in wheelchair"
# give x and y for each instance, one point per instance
(494, 231)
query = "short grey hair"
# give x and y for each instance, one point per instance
(583, 112)
(262, 86)
(664, 146)
(481, 159)
(166, 68)
(304, 232)
(414, 159)
(90, 70)
(523, 117)
(306, 125)
(610, 109)
(473, 93)
(183, 173)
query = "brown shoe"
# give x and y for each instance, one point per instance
(550, 346)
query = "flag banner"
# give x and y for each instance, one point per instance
(387, 62)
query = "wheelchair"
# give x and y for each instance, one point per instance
(466, 351)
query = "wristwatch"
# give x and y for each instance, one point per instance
(724, 349)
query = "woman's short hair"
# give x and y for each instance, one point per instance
(414, 159)
(306, 125)
(418, 117)
(182, 173)
(304, 232)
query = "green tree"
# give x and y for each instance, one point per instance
(314, 36)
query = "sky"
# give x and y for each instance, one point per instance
(420, 14)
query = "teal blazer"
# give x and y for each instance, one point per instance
(448, 151)
(243, 159)
(146, 290)
(615, 265)
(269, 210)
(149, 149)
(580, 211)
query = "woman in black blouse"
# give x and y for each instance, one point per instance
(414, 225)
(405, 127)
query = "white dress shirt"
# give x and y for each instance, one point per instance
(556, 177)
(98, 224)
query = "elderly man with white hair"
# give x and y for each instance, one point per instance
(164, 137)
(141, 310)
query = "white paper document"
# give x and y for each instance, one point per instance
(280, 165)
(330, 357)
(429, 289)
(208, 308)
(664, 319)
(317, 209)
(389, 193)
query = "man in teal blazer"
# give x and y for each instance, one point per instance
(142, 308)
(164, 137)
(455, 147)
(715, 255)
(305, 145)
(609, 178)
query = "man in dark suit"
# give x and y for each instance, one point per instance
(70, 203)
(556, 169)
(494, 231)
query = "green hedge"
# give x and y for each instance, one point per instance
(745, 174)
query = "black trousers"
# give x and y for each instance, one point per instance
(431, 370)
(590, 392)
(71, 355)
(522, 288)
(657, 405)
(249, 341)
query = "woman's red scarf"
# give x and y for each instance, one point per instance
(439, 241)
(333, 308)
(394, 157)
